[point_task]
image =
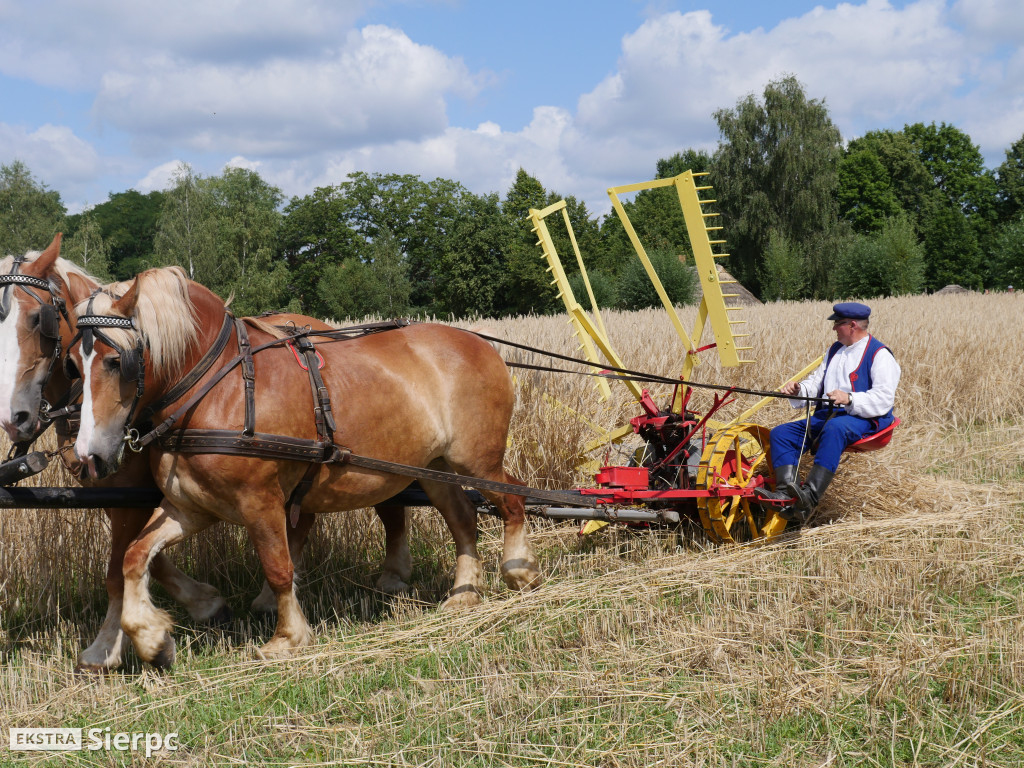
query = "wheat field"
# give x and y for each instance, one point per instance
(887, 633)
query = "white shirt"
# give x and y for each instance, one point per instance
(875, 402)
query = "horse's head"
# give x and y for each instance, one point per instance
(130, 347)
(33, 321)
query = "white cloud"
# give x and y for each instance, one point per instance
(50, 151)
(64, 43)
(379, 86)
(991, 22)
(876, 66)
(870, 62)
(159, 178)
(293, 89)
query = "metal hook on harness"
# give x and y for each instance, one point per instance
(132, 440)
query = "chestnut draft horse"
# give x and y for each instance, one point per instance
(37, 323)
(423, 395)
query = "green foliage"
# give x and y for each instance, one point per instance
(86, 248)
(605, 288)
(775, 169)
(1010, 182)
(30, 214)
(783, 273)
(186, 232)
(696, 160)
(909, 179)
(890, 262)
(246, 218)
(128, 225)
(1007, 265)
(529, 286)
(470, 275)
(791, 200)
(952, 254)
(380, 286)
(637, 292)
(866, 194)
(223, 232)
(955, 164)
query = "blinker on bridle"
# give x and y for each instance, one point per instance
(132, 365)
(49, 319)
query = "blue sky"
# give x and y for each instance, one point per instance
(111, 95)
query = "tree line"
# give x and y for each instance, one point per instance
(805, 215)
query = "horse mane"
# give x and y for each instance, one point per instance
(164, 315)
(61, 266)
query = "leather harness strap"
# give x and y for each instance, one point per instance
(179, 390)
(248, 377)
(249, 442)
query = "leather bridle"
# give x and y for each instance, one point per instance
(132, 361)
(49, 328)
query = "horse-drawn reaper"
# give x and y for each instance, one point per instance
(266, 424)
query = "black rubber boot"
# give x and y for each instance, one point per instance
(786, 486)
(809, 494)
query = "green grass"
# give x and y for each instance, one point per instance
(758, 657)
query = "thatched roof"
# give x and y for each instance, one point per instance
(743, 295)
(954, 289)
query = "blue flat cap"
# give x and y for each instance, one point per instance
(850, 310)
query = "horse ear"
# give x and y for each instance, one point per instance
(44, 262)
(78, 288)
(125, 306)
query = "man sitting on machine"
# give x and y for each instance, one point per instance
(859, 376)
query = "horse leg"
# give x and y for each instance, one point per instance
(148, 627)
(460, 516)
(107, 650)
(268, 534)
(397, 566)
(519, 566)
(266, 600)
(202, 601)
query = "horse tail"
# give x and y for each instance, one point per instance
(482, 330)
(273, 331)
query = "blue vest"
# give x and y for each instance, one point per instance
(860, 379)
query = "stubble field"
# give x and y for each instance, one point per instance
(889, 633)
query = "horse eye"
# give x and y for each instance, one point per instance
(112, 363)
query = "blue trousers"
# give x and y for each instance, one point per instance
(831, 435)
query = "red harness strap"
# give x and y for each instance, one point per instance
(302, 363)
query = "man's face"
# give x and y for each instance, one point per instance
(845, 331)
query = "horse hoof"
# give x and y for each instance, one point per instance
(521, 577)
(392, 585)
(466, 596)
(164, 658)
(275, 650)
(222, 617)
(83, 670)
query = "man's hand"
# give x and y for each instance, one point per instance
(790, 388)
(839, 397)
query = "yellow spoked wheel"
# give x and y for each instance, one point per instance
(732, 459)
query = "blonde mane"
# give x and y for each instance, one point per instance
(164, 316)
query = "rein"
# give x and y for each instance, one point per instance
(322, 450)
(625, 374)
